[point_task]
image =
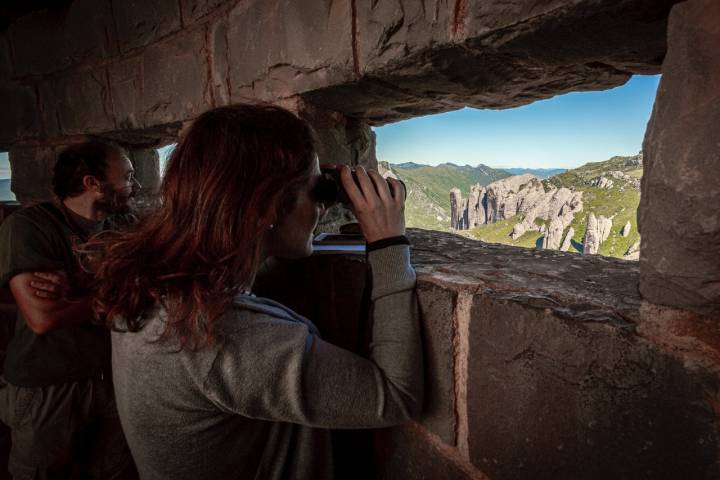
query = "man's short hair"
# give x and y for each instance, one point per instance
(76, 161)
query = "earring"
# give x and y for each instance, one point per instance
(271, 226)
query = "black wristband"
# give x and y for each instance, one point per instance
(386, 242)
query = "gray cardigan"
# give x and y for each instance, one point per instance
(259, 404)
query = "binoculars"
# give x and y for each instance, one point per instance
(329, 189)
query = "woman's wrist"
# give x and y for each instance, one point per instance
(386, 242)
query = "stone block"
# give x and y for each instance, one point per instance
(437, 305)
(340, 141)
(126, 92)
(409, 453)
(679, 213)
(89, 31)
(174, 80)
(32, 173)
(20, 116)
(563, 399)
(78, 103)
(388, 32)
(6, 68)
(38, 43)
(166, 83)
(141, 23)
(279, 48)
(220, 66)
(192, 10)
(50, 40)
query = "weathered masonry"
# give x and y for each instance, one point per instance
(540, 364)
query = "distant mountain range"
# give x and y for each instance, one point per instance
(538, 172)
(610, 189)
(438, 180)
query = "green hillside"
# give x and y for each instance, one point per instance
(421, 211)
(436, 182)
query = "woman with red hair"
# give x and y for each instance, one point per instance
(214, 382)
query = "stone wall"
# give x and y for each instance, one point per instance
(537, 367)
(679, 215)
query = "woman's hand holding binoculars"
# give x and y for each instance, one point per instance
(380, 214)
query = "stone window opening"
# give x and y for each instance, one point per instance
(587, 207)
(6, 193)
(164, 153)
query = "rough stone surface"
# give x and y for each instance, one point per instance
(501, 199)
(596, 232)
(560, 399)
(626, 229)
(509, 53)
(6, 67)
(560, 383)
(220, 67)
(522, 195)
(340, 141)
(89, 31)
(679, 213)
(456, 209)
(377, 61)
(409, 453)
(601, 182)
(53, 39)
(585, 288)
(168, 82)
(633, 252)
(140, 23)
(76, 104)
(437, 306)
(554, 236)
(32, 174)
(192, 10)
(279, 48)
(38, 42)
(567, 242)
(19, 118)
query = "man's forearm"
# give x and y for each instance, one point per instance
(72, 313)
(60, 314)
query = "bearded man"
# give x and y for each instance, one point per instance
(56, 392)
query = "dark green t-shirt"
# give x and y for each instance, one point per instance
(39, 238)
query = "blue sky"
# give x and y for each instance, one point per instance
(4, 166)
(565, 131)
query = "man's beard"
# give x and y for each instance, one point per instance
(115, 202)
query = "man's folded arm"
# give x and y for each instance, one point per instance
(43, 315)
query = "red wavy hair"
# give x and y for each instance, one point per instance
(234, 168)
